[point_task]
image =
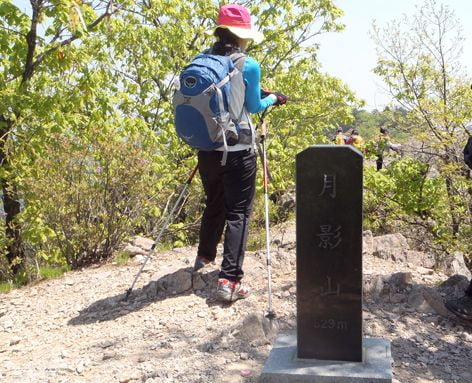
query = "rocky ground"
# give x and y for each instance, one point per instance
(78, 328)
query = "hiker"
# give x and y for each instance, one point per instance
(468, 151)
(462, 306)
(356, 140)
(381, 145)
(230, 188)
(339, 138)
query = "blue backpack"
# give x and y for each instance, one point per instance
(201, 104)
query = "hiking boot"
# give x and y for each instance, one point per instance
(201, 262)
(462, 307)
(230, 291)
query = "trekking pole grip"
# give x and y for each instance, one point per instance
(263, 129)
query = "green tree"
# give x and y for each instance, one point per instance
(73, 69)
(36, 73)
(418, 60)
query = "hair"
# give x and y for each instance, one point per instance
(355, 132)
(227, 43)
(340, 130)
(383, 130)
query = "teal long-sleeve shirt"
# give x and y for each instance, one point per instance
(252, 79)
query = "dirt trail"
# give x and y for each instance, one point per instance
(77, 328)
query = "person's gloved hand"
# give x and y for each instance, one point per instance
(281, 98)
(265, 93)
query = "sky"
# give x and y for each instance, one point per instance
(350, 55)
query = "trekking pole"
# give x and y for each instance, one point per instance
(259, 149)
(164, 227)
(270, 314)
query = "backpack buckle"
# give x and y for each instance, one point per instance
(210, 91)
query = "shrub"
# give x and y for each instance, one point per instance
(87, 195)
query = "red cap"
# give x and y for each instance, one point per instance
(237, 19)
(234, 15)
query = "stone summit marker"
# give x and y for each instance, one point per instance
(329, 253)
(328, 346)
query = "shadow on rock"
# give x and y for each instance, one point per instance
(181, 282)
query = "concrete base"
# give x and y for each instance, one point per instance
(283, 366)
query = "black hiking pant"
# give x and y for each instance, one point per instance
(229, 194)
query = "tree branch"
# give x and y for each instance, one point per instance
(36, 6)
(31, 38)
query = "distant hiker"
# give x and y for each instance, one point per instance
(462, 306)
(381, 145)
(356, 140)
(468, 152)
(339, 138)
(230, 187)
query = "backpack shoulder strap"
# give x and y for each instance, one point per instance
(238, 59)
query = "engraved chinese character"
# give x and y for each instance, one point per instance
(330, 237)
(330, 290)
(329, 185)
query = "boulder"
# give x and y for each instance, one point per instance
(454, 286)
(133, 250)
(393, 288)
(390, 241)
(456, 265)
(390, 246)
(139, 259)
(399, 282)
(397, 298)
(151, 289)
(143, 243)
(417, 300)
(434, 299)
(426, 300)
(374, 287)
(419, 258)
(198, 282)
(257, 329)
(210, 278)
(177, 282)
(367, 242)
